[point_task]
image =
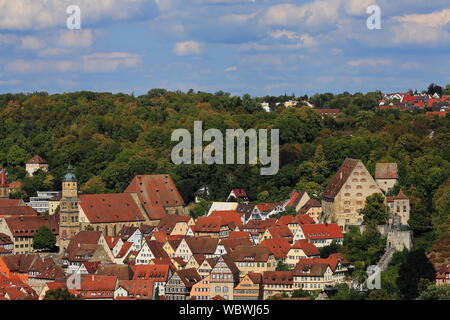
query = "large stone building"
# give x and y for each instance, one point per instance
(69, 224)
(346, 193)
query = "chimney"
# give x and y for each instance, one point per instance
(21, 218)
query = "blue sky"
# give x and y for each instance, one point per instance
(239, 46)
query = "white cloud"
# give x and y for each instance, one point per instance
(33, 43)
(187, 48)
(35, 15)
(75, 38)
(304, 40)
(97, 62)
(369, 62)
(231, 69)
(433, 20)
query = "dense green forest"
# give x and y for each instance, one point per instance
(109, 138)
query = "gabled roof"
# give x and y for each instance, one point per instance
(308, 248)
(231, 244)
(341, 176)
(138, 289)
(202, 245)
(189, 277)
(155, 272)
(112, 241)
(212, 224)
(311, 203)
(250, 254)
(278, 277)
(37, 160)
(255, 277)
(98, 283)
(266, 207)
(27, 226)
(280, 231)
(155, 192)
(386, 171)
(10, 211)
(228, 216)
(240, 193)
(169, 222)
(126, 248)
(322, 231)
(294, 198)
(113, 207)
(121, 271)
(156, 248)
(279, 247)
(10, 202)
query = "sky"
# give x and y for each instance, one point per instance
(239, 46)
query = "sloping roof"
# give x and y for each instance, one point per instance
(113, 207)
(155, 192)
(222, 206)
(278, 277)
(322, 231)
(138, 289)
(37, 160)
(386, 171)
(255, 277)
(311, 203)
(17, 211)
(189, 277)
(124, 250)
(202, 245)
(231, 244)
(280, 231)
(169, 222)
(246, 209)
(341, 176)
(228, 216)
(294, 198)
(266, 207)
(9, 202)
(27, 226)
(98, 283)
(308, 248)
(250, 254)
(278, 247)
(156, 248)
(155, 272)
(121, 271)
(111, 241)
(240, 193)
(211, 224)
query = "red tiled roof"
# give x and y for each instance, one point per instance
(279, 247)
(98, 283)
(308, 248)
(27, 226)
(322, 231)
(250, 254)
(278, 277)
(211, 224)
(240, 193)
(228, 216)
(114, 207)
(111, 241)
(156, 192)
(17, 211)
(138, 289)
(126, 247)
(155, 272)
(280, 231)
(9, 202)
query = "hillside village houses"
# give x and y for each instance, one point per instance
(143, 244)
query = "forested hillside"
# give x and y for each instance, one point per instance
(109, 138)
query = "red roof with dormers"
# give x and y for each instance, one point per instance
(322, 231)
(113, 207)
(308, 248)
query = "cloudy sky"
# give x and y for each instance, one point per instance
(239, 46)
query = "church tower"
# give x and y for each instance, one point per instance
(69, 210)
(4, 186)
